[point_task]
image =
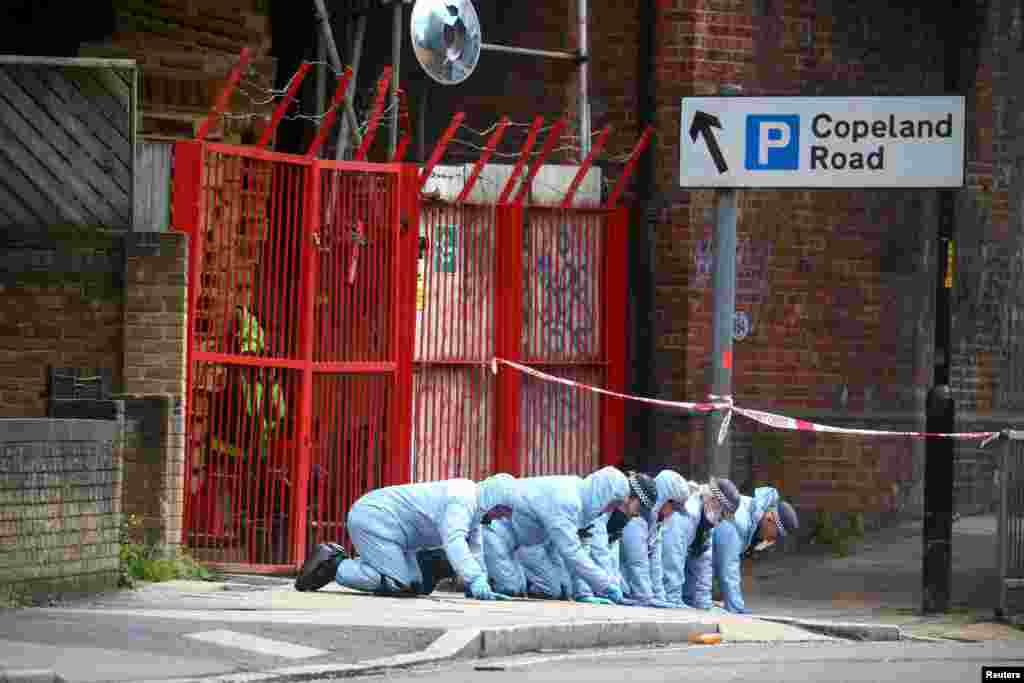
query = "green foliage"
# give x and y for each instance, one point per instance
(769, 447)
(840, 538)
(12, 597)
(148, 562)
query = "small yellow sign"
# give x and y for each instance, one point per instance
(949, 265)
(420, 288)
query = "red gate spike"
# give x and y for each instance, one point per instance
(442, 145)
(641, 145)
(378, 107)
(531, 138)
(570, 194)
(549, 144)
(492, 144)
(225, 94)
(332, 113)
(282, 107)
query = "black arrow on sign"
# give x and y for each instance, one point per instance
(702, 124)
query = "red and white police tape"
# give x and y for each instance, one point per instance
(726, 403)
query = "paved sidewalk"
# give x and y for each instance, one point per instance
(880, 581)
(253, 624)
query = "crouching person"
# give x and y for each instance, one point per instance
(642, 543)
(687, 546)
(600, 540)
(542, 537)
(758, 523)
(410, 537)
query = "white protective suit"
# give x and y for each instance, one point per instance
(640, 554)
(388, 526)
(540, 543)
(687, 573)
(732, 537)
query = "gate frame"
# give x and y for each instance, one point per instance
(189, 157)
(506, 301)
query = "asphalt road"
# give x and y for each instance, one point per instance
(751, 663)
(87, 648)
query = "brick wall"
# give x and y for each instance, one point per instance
(60, 507)
(154, 314)
(836, 285)
(154, 464)
(115, 302)
(60, 305)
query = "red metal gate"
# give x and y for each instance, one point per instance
(544, 286)
(298, 363)
(303, 325)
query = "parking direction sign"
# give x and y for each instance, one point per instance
(822, 142)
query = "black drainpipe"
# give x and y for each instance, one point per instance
(643, 223)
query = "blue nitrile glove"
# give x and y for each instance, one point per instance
(660, 604)
(614, 593)
(629, 602)
(594, 600)
(481, 590)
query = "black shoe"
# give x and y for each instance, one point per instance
(435, 567)
(320, 567)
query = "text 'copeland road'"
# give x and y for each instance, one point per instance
(823, 142)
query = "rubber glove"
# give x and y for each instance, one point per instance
(481, 590)
(629, 602)
(594, 600)
(660, 604)
(614, 593)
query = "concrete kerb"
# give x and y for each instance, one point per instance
(848, 631)
(29, 676)
(472, 643)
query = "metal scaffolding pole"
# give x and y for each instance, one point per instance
(396, 56)
(332, 54)
(584, 76)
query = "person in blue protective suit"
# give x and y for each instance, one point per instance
(758, 523)
(640, 553)
(410, 537)
(686, 541)
(538, 549)
(597, 541)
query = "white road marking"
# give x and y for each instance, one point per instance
(264, 646)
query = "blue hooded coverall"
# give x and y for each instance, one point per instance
(641, 546)
(389, 525)
(687, 574)
(541, 543)
(732, 537)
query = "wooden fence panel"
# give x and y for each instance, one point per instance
(67, 142)
(153, 186)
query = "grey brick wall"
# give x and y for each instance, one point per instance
(60, 507)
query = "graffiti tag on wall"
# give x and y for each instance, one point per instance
(559, 299)
(752, 259)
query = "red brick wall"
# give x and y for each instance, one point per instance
(835, 283)
(60, 306)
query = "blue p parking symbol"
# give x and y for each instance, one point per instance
(773, 142)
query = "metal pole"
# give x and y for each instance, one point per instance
(718, 458)
(719, 455)
(937, 566)
(1004, 476)
(584, 75)
(491, 47)
(349, 122)
(396, 57)
(332, 54)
